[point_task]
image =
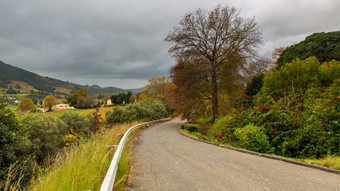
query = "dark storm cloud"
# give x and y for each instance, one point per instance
(121, 42)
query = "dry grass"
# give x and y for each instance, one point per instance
(82, 167)
(24, 85)
(63, 90)
(329, 161)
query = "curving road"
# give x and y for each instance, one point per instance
(165, 160)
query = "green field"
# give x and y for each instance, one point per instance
(102, 111)
(12, 107)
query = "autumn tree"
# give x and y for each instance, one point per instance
(158, 87)
(72, 99)
(26, 104)
(81, 92)
(260, 65)
(214, 39)
(107, 97)
(82, 102)
(50, 101)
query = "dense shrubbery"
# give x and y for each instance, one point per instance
(78, 126)
(144, 110)
(36, 138)
(12, 135)
(296, 114)
(45, 134)
(189, 127)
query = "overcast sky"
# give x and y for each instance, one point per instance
(121, 42)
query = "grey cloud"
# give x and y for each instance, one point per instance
(122, 41)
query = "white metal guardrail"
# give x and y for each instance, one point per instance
(109, 180)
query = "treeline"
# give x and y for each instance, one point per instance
(82, 99)
(144, 110)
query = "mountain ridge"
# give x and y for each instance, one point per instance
(51, 85)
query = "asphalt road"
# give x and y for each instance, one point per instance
(165, 160)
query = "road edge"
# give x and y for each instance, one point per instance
(266, 155)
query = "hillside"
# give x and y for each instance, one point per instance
(31, 81)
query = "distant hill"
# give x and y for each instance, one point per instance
(39, 83)
(134, 91)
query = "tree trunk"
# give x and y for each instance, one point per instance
(214, 95)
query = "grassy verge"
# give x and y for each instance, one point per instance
(82, 167)
(197, 135)
(329, 161)
(332, 162)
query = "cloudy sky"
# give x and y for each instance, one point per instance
(121, 42)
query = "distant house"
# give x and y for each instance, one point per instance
(109, 102)
(62, 106)
(41, 109)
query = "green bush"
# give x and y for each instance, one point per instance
(220, 128)
(329, 72)
(45, 134)
(252, 137)
(145, 110)
(297, 76)
(189, 127)
(12, 135)
(255, 85)
(78, 124)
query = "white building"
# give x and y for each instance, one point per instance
(62, 106)
(109, 102)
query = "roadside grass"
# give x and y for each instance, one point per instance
(329, 161)
(123, 169)
(82, 167)
(198, 135)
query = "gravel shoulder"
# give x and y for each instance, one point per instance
(165, 160)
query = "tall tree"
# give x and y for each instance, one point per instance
(158, 87)
(73, 99)
(214, 38)
(106, 98)
(26, 104)
(50, 101)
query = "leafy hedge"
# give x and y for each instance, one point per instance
(189, 127)
(300, 120)
(144, 110)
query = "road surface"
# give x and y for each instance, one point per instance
(165, 160)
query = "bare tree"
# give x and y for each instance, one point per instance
(260, 65)
(214, 37)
